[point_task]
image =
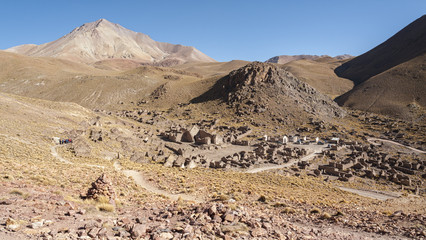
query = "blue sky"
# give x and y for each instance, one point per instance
(224, 30)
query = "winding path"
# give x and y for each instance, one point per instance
(372, 194)
(137, 177)
(373, 141)
(56, 155)
(142, 182)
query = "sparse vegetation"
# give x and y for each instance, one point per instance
(105, 207)
(315, 211)
(288, 210)
(124, 137)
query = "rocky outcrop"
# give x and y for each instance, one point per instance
(267, 88)
(81, 148)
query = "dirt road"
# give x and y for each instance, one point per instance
(372, 194)
(142, 182)
(374, 140)
(56, 155)
(137, 177)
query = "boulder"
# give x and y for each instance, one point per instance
(81, 148)
(169, 161)
(189, 135)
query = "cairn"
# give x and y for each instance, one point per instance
(101, 187)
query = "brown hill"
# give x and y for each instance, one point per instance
(320, 75)
(103, 40)
(283, 59)
(18, 66)
(66, 81)
(399, 91)
(407, 44)
(212, 68)
(264, 89)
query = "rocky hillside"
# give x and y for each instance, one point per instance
(102, 40)
(266, 90)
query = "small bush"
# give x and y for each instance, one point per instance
(315, 211)
(105, 207)
(338, 213)
(325, 216)
(223, 197)
(102, 199)
(279, 204)
(262, 199)
(288, 210)
(17, 192)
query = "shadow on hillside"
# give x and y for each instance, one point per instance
(217, 91)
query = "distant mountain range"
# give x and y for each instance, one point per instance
(283, 59)
(104, 40)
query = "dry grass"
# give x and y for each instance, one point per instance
(325, 215)
(315, 211)
(105, 207)
(17, 192)
(288, 210)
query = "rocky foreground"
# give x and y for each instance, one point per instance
(36, 213)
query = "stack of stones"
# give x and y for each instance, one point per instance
(101, 187)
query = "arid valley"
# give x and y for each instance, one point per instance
(106, 133)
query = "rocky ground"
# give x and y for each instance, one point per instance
(37, 213)
(111, 182)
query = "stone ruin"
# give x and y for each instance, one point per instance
(265, 153)
(366, 162)
(193, 135)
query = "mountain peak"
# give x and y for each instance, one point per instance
(103, 21)
(102, 40)
(98, 24)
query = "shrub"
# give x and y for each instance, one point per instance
(338, 213)
(105, 207)
(262, 199)
(325, 216)
(288, 210)
(279, 204)
(315, 210)
(17, 192)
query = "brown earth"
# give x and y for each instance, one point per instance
(399, 91)
(320, 75)
(41, 195)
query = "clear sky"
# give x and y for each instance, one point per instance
(223, 29)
